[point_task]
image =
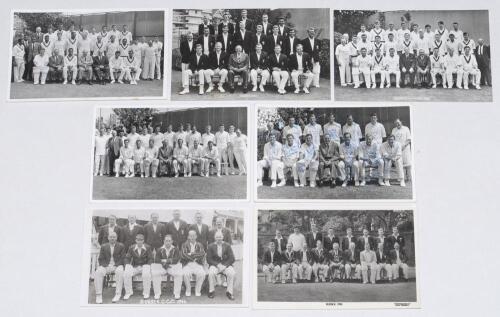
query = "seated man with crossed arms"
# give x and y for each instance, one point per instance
(211, 156)
(220, 259)
(272, 160)
(131, 68)
(167, 261)
(192, 256)
(288, 263)
(151, 161)
(138, 261)
(308, 159)
(180, 159)
(271, 262)
(299, 64)
(196, 157)
(305, 261)
(110, 260)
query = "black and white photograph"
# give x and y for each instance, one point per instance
(249, 54)
(87, 54)
(170, 153)
(182, 257)
(334, 259)
(412, 55)
(354, 153)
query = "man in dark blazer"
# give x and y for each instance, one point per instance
(304, 68)
(238, 64)
(382, 239)
(288, 263)
(271, 262)
(398, 260)
(347, 239)
(56, 64)
(258, 66)
(201, 229)
(154, 232)
(282, 28)
(167, 261)
(244, 22)
(178, 229)
(352, 265)
(364, 239)
(290, 43)
(114, 145)
(198, 63)
(321, 262)
(187, 48)
(219, 227)
(105, 230)
(382, 263)
(226, 38)
(280, 242)
(407, 67)
(336, 261)
(29, 49)
(483, 57)
(273, 39)
(267, 28)
(207, 41)
(101, 67)
(312, 46)
(305, 260)
(330, 239)
(218, 66)
(192, 258)
(205, 25)
(395, 238)
(278, 65)
(111, 260)
(130, 231)
(258, 38)
(138, 260)
(226, 22)
(313, 236)
(244, 38)
(220, 259)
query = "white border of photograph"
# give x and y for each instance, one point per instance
(166, 46)
(348, 203)
(180, 106)
(85, 266)
(332, 305)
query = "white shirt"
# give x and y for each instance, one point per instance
(221, 139)
(296, 131)
(333, 130)
(70, 61)
(41, 61)
(297, 241)
(272, 152)
(316, 131)
(354, 130)
(205, 138)
(100, 144)
(377, 131)
(206, 49)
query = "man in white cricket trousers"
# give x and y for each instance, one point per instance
(368, 260)
(271, 264)
(392, 154)
(398, 260)
(391, 65)
(40, 67)
(125, 159)
(308, 159)
(111, 260)
(18, 61)
(470, 67)
(167, 262)
(220, 259)
(272, 160)
(158, 47)
(192, 256)
(222, 142)
(100, 152)
(138, 261)
(240, 151)
(151, 161)
(343, 55)
(305, 261)
(369, 156)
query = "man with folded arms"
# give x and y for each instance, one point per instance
(41, 67)
(299, 64)
(368, 260)
(126, 158)
(238, 65)
(470, 67)
(290, 157)
(111, 260)
(196, 157)
(85, 63)
(220, 259)
(398, 260)
(138, 261)
(167, 261)
(139, 154)
(151, 159)
(278, 64)
(258, 66)
(211, 156)
(198, 63)
(180, 159)
(349, 165)
(304, 260)
(272, 159)
(369, 157)
(329, 158)
(271, 262)
(308, 159)
(131, 68)
(351, 261)
(336, 261)
(165, 153)
(101, 68)
(56, 64)
(192, 255)
(320, 266)
(288, 263)
(218, 67)
(382, 263)
(392, 155)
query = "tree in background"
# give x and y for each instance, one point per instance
(349, 21)
(135, 116)
(43, 20)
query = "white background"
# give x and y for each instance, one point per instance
(44, 189)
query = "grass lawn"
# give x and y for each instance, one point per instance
(371, 191)
(27, 90)
(322, 93)
(337, 292)
(196, 187)
(408, 94)
(167, 296)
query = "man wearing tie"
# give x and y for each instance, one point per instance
(351, 261)
(238, 65)
(290, 43)
(383, 263)
(395, 238)
(482, 52)
(368, 260)
(205, 25)
(154, 232)
(305, 261)
(167, 261)
(218, 67)
(282, 28)
(201, 229)
(273, 39)
(280, 242)
(244, 23)
(365, 239)
(56, 64)
(220, 259)
(278, 64)
(299, 64)
(330, 239)
(243, 37)
(312, 46)
(320, 266)
(138, 261)
(101, 68)
(28, 57)
(37, 39)
(114, 146)
(336, 261)
(226, 39)
(177, 228)
(187, 49)
(192, 256)
(313, 236)
(207, 41)
(219, 228)
(226, 23)
(130, 231)
(267, 28)
(398, 259)
(258, 38)
(288, 263)
(346, 241)
(197, 66)
(271, 262)
(258, 66)
(106, 230)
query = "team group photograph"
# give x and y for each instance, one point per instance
(173, 256)
(79, 54)
(170, 153)
(250, 54)
(334, 153)
(335, 256)
(426, 55)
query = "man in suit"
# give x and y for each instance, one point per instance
(219, 228)
(407, 67)
(280, 242)
(330, 239)
(346, 241)
(167, 262)
(283, 30)
(383, 263)
(201, 229)
(395, 238)
(138, 261)
(205, 25)
(312, 46)
(364, 239)
(351, 261)
(398, 260)
(198, 63)
(329, 158)
(304, 260)
(56, 64)
(218, 66)
(423, 66)
(278, 64)
(267, 28)
(177, 228)
(368, 260)
(272, 40)
(220, 259)
(85, 63)
(207, 42)
(320, 266)
(258, 66)
(271, 262)
(299, 64)
(244, 22)
(187, 49)
(226, 22)
(290, 43)
(105, 230)
(110, 260)
(482, 53)
(154, 232)
(238, 64)
(336, 261)
(114, 145)
(101, 68)
(29, 49)
(192, 255)
(258, 38)
(226, 39)
(288, 263)
(244, 38)
(314, 236)
(130, 231)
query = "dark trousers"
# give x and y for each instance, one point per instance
(485, 68)
(411, 75)
(28, 71)
(101, 73)
(112, 159)
(55, 74)
(243, 74)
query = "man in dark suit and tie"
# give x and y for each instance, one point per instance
(188, 48)
(407, 64)
(365, 239)
(219, 227)
(482, 53)
(290, 43)
(226, 39)
(312, 46)
(258, 66)
(313, 236)
(267, 28)
(330, 239)
(114, 145)
(349, 237)
(207, 41)
(206, 24)
(154, 232)
(218, 67)
(271, 262)
(273, 39)
(244, 38)
(220, 259)
(395, 238)
(336, 261)
(351, 261)
(278, 64)
(282, 28)
(280, 242)
(244, 22)
(101, 67)
(201, 229)
(197, 65)
(111, 260)
(305, 260)
(28, 57)
(178, 229)
(56, 64)
(238, 65)
(258, 38)
(105, 230)
(130, 231)
(226, 22)
(299, 64)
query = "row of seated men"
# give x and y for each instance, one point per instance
(176, 249)
(335, 151)
(170, 153)
(326, 257)
(260, 58)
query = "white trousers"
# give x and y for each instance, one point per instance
(476, 73)
(183, 163)
(72, 70)
(291, 166)
(316, 72)
(264, 74)
(349, 267)
(383, 267)
(437, 71)
(286, 267)
(128, 73)
(40, 74)
(395, 270)
(207, 165)
(158, 66)
(295, 78)
(374, 72)
(102, 271)
(186, 74)
(209, 73)
(320, 270)
(224, 158)
(241, 159)
(305, 271)
(213, 272)
(116, 73)
(19, 69)
(276, 169)
(302, 166)
(99, 164)
(157, 271)
(388, 74)
(378, 164)
(271, 273)
(148, 71)
(345, 72)
(366, 72)
(193, 268)
(364, 271)
(128, 165)
(348, 169)
(449, 77)
(131, 271)
(150, 166)
(280, 78)
(399, 168)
